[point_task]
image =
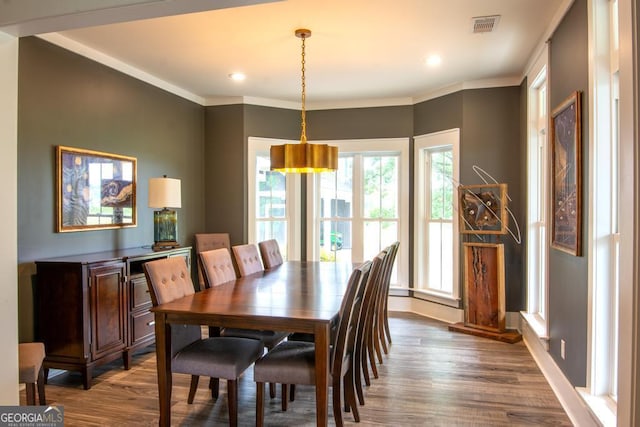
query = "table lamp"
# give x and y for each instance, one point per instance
(164, 193)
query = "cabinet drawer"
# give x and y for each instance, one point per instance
(142, 326)
(140, 296)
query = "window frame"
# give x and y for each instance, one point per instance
(538, 189)
(378, 146)
(422, 143)
(260, 146)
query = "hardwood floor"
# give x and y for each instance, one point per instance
(431, 377)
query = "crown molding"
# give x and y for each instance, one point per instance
(116, 64)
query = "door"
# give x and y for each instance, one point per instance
(108, 309)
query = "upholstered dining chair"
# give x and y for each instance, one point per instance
(30, 370)
(218, 357)
(218, 269)
(207, 242)
(270, 253)
(293, 362)
(247, 259)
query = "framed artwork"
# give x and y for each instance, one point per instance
(484, 294)
(566, 173)
(94, 190)
(483, 209)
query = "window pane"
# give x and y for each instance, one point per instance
(335, 241)
(266, 230)
(441, 184)
(377, 236)
(336, 196)
(380, 187)
(440, 259)
(271, 190)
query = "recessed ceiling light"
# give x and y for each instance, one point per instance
(238, 77)
(434, 60)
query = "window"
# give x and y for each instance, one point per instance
(604, 235)
(537, 209)
(363, 206)
(274, 206)
(436, 225)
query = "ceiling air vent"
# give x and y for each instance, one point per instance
(485, 24)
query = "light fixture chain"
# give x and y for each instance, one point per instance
(303, 111)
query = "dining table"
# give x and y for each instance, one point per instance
(296, 296)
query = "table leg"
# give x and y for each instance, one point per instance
(163, 359)
(322, 373)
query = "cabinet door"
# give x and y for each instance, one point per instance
(108, 309)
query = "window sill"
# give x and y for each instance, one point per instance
(537, 324)
(604, 408)
(436, 298)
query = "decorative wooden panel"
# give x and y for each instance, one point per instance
(484, 299)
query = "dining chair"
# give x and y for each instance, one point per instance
(367, 352)
(293, 362)
(383, 304)
(247, 259)
(30, 370)
(207, 242)
(218, 269)
(215, 357)
(363, 344)
(270, 253)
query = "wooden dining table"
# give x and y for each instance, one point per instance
(297, 296)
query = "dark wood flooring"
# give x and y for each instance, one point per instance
(431, 377)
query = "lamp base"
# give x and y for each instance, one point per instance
(161, 246)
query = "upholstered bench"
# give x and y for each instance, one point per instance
(30, 357)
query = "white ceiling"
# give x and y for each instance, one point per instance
(360, 50)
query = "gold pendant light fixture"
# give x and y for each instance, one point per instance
(304, 157)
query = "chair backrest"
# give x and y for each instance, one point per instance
(270, 252)
(387, 268)
(368, 305)
(217, 267)
(207, 242)
(348, 319)
(168, 279)
(247, 259)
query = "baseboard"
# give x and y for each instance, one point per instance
(569, 398)
(441, 312)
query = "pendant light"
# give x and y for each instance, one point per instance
(304, 157)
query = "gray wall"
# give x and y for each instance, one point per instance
(568, 291)
(65, 99)
(227, 131)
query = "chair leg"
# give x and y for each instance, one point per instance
(292, 392)
(376, 341)
(192, 388)
(285, 387)
(337, 403)
(214, 385)
(365, 367)
(372, 358)
(357, 376)
(350, 401)
(260, 404)
(43, 400)
(31, 393)
(387, 330)
(232, 399)
(272, 390)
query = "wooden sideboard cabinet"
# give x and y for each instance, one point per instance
(91, 309)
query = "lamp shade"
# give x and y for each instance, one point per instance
(164, 193)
